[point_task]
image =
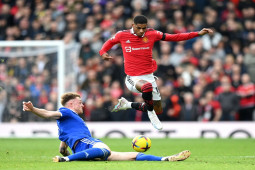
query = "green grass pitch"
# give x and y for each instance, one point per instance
(217, 154)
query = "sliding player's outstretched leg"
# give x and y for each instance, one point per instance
(177, 157)
(135, 156)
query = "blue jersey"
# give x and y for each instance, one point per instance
(71, 127)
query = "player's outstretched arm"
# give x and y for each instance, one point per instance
(28, 106)
(183, 36)
(205, 31)
(63, 149)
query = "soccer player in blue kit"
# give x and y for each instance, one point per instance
(74, 133)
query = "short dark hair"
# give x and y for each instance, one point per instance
(140, 19)
(68, 96)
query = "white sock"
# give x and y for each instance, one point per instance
(151, 112)
(66, 158)
(129, 105)
(164, 159)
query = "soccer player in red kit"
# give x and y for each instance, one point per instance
(137, 44)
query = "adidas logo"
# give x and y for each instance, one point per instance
(86, 154)
(127, 41)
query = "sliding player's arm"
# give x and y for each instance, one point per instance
(28, 106)
(63, 149)
(108, 45)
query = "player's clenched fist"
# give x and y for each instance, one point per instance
(205, 31)
(106, 57)
(28, 106)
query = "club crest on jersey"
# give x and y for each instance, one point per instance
(145, 39)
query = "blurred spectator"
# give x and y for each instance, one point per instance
(173, 108)
(86, 53)
(213, 83)
(177, 56)
(240, 63)
(12, 111)
(228, 65)
(166, 70)
(211, 41)
(236, 80)
(249, 61)
(37, 87)
(190, 59)
(188, 108)
(3, 102)
(229, 102)
(181, 88)
(190, 75)
(236, 48)
(231, 11)
(43, 99)
(221, 88)
(197, 93)
(218, 67)
(99, 113)
(246, 92)
(21, 71)
(116, 90)
(203, 83)
(91, 78)
(209, 108)
(204, 65)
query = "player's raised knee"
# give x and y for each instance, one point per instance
(107, 153)
(147, 87)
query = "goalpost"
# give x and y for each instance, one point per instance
(67, 56)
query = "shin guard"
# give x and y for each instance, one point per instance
(147, 95)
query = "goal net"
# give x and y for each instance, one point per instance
(39, 71)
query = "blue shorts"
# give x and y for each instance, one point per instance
(85, 143)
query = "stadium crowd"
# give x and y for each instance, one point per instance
(209, 78)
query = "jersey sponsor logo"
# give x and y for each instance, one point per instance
(141, 48)
(145, 39)
(86, 154)
(128, 49)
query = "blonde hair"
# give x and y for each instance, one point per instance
(68, 96)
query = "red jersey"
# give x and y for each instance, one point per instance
(220, 90)
(247, 94)
(137, 51)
